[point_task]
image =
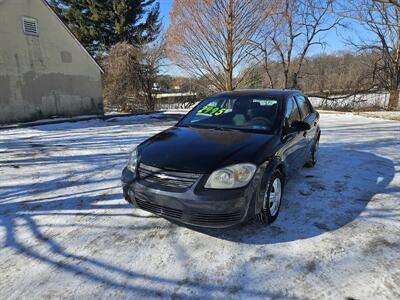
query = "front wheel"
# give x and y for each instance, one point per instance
(272, 199)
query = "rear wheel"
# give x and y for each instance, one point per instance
(313, 155)
(272, 199)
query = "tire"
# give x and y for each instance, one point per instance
(312, 161)
(272, 199)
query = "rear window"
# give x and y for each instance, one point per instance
(292, 112)
(304, 106)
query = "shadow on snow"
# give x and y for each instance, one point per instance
(323, 199)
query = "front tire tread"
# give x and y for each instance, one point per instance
(264, 217)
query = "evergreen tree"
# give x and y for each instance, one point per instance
(99, 24)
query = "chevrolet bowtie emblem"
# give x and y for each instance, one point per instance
(162, 176)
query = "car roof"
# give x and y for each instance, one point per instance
(260, 93)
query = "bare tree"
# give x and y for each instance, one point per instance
(131, 72)
(210, 39)
(150, 59)
(382, 19)
(289, 35)
(120, 76)
(325, 75)
(393, 2)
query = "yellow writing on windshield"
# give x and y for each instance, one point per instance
(212, 110)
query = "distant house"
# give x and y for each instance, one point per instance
(44, 70)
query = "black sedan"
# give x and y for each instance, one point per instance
(227, 160)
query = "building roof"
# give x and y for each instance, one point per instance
(72, 34)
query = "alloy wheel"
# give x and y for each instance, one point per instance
(275, 196)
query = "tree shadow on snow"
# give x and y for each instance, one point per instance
(318, 200)
(94, 124)
(54, 218)
(325, 198)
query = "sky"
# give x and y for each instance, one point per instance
(165, 8)
(335, 40)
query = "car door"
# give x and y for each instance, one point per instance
(295, 142)
(310, 116)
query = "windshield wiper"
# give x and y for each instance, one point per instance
(209, 127)
(223, 128)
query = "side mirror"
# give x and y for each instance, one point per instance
(299, 126)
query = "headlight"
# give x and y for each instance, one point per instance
(132, 161)
(231, 177)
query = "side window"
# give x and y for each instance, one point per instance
(292, 111)
(308, 103)
(304, 105)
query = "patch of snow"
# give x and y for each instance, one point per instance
(389, 115)
(356, 101)
(66, 232)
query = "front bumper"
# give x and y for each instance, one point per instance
(194, 206)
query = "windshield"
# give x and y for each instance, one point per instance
(243, 113)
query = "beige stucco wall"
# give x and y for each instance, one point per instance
(45, 75)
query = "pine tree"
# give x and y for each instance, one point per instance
(100, 24)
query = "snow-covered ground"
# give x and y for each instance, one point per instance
(66, 232)
(389, 115)
(357, 101)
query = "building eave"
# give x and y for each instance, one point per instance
(73, 35)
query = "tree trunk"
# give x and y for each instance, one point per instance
(295, 82)
(286, 73)
(229, 49)
(393, 99)
(266, 68)
(229, 80)
(271, 82)
(394, 87)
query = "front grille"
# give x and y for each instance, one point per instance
(167, 178)
(159, 210)
(217, 218)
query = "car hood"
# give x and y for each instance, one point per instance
(200, 150)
